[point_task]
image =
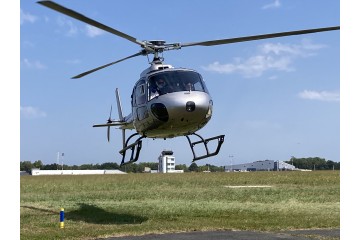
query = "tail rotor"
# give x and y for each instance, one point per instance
(108, 128)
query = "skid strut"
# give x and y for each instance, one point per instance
(220, 139)
(135, 149)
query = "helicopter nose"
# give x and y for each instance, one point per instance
(190, 106)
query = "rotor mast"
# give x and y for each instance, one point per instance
(158, 46)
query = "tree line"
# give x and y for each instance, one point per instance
(312, 163)
(129, 168)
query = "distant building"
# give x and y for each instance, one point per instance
(167, 162)
(266, 165)
(24, 173)
(37, 172)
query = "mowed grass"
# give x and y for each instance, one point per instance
(136, 204)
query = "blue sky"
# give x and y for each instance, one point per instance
(273, 98)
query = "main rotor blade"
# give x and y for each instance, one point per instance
(258, 37)
(54, 6)
(106, 65)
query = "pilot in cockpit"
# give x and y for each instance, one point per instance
(157, 88)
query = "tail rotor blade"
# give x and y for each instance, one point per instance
(108, 128)
(109, 120)
(108, 133)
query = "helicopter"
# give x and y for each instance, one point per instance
(166, 101)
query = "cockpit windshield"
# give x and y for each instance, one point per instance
(175, 81)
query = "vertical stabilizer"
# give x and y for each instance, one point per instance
(121, 117)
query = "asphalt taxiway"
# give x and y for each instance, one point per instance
(240, 235)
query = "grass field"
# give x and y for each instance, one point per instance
(136, 204)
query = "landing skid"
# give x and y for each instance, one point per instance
(220, 139)
(135, 149)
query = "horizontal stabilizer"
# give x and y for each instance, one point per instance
(127, 123)
(113, 124)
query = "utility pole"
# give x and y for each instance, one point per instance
(62, 161)
(57, 162)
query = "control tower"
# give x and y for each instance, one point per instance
(166, 162)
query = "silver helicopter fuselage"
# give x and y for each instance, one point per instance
(179, 111)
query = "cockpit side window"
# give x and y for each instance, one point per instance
(139, 91)
(203, 84)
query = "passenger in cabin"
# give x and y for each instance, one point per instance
(189, 86)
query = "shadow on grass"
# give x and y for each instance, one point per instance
(93, 214)
(50, 212)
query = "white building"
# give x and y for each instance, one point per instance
(167, 162)
(266, 165)
(37, 172)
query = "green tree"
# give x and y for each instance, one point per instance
(109, 165)
(214, 168)
(203, 168)
(26, 166)
(38, 164)
(74, 167)
(193, 167)
(132, 167)
(312, 163)
(53, 166)
(86, 167)
(182, 167)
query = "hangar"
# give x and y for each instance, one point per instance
(265, 165)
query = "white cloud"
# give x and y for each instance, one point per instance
(269, 56)
(69, 26)
(93, 31)
(320, 96)
(28, 44)
(252, 67)
(304, 49)
(273, 77)
(278, 49)
(26, 17)
(31, 112)
(71, 29)
(33, 64)
(275, 4)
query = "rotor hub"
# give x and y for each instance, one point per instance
(157, 42)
